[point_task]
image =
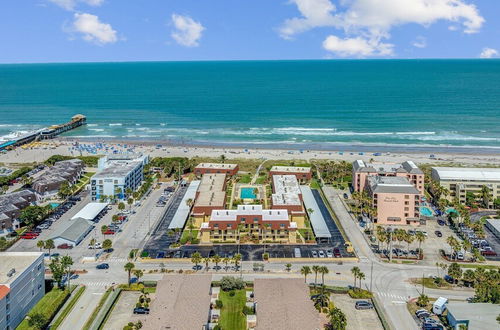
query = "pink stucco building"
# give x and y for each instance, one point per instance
(361, 171)
(395, 198)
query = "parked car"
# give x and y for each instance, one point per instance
(314, 254)
(109, 232)
(141, 310)
(160, 255)
(438, 233)
(329, 253)
(336, 253)
(422, 314)
(102, 266)
(24, 236)
(65, 246)
(363, 304)
(346, 196)
(460, 256)
(441, 222)
(321, 254)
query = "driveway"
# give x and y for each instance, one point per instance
(122, 312)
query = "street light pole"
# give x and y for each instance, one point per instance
(371, 277)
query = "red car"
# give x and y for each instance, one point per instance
(109, 232)
(24, 236)
(336, 253)
(30, 233)
(65, 246)
(488, 253)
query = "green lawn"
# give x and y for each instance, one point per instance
(315, 184)
(246, 178)
(48, 306)
(188, 235)
(261, 179)
(232, 317)
(68, 308)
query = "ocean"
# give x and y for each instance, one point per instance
(283, 103)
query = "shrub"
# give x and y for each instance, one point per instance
(219, 304)
(360, 294)
(247, 310)
(232, 293)
(228, 283)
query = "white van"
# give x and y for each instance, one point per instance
(439, 306)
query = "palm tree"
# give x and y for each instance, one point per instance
(226, 261)
(216, 259)
(315, 269)
(130, 201)
(206, 260)
(355, 272)
(338, 320)
(40, 244)
(321, 299)
(222, 158)
(236, 260)
(138, 274)
(66, 263)
(485, 196)
(323, 270)
(128, 268)
(305, 270)
(196, 259)
(288, 267)
(452, 242)
(420, 237)
(49, 245)
(361, 276)
(409, 239)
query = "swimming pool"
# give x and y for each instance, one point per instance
(54, 205)
(425, 211)
(247, 193)
(451, 210)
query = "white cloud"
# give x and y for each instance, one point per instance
(93, 29)
(420, 42)
(374, 19)
(488, 53)
(71, 4)
(315, 13)
(358, 47)
(187, 31)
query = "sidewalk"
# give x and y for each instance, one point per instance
(83, 309)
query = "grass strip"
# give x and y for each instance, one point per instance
(97, 309)
(48, 306)
(68, 308)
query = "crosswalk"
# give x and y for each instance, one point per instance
(392, 296)
(99, 283)
(117, 260)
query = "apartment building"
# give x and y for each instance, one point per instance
(288, 196)
(117, 173)
(460, 180)
(303, 174)
(49, 183)
(251, 221)
(216, 168)
(11, 205)
(211, 195)
(361, 171)
(396, 200)
(22, 285)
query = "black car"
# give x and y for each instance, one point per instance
(441, 222)
(363, 305)
(141, 310)
(438, 233)
(102, 266)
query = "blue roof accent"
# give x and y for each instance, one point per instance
(6, 144)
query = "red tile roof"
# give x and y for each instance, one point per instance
(4, 290)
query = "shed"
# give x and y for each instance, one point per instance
(75, 233)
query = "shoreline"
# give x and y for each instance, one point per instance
(310, 147)
(65, 146)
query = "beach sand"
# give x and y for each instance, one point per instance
(64, 147)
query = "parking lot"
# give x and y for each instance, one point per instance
(356, 319)
(63, 222)
(159, 243)
(122, 312)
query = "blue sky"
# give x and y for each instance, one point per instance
(164, 30)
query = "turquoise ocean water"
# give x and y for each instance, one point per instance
(380, 102)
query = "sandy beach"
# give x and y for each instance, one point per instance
(66, 147)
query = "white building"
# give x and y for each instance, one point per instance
(462, 180)
(75, 233)
(22, 285)
(116, 174)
